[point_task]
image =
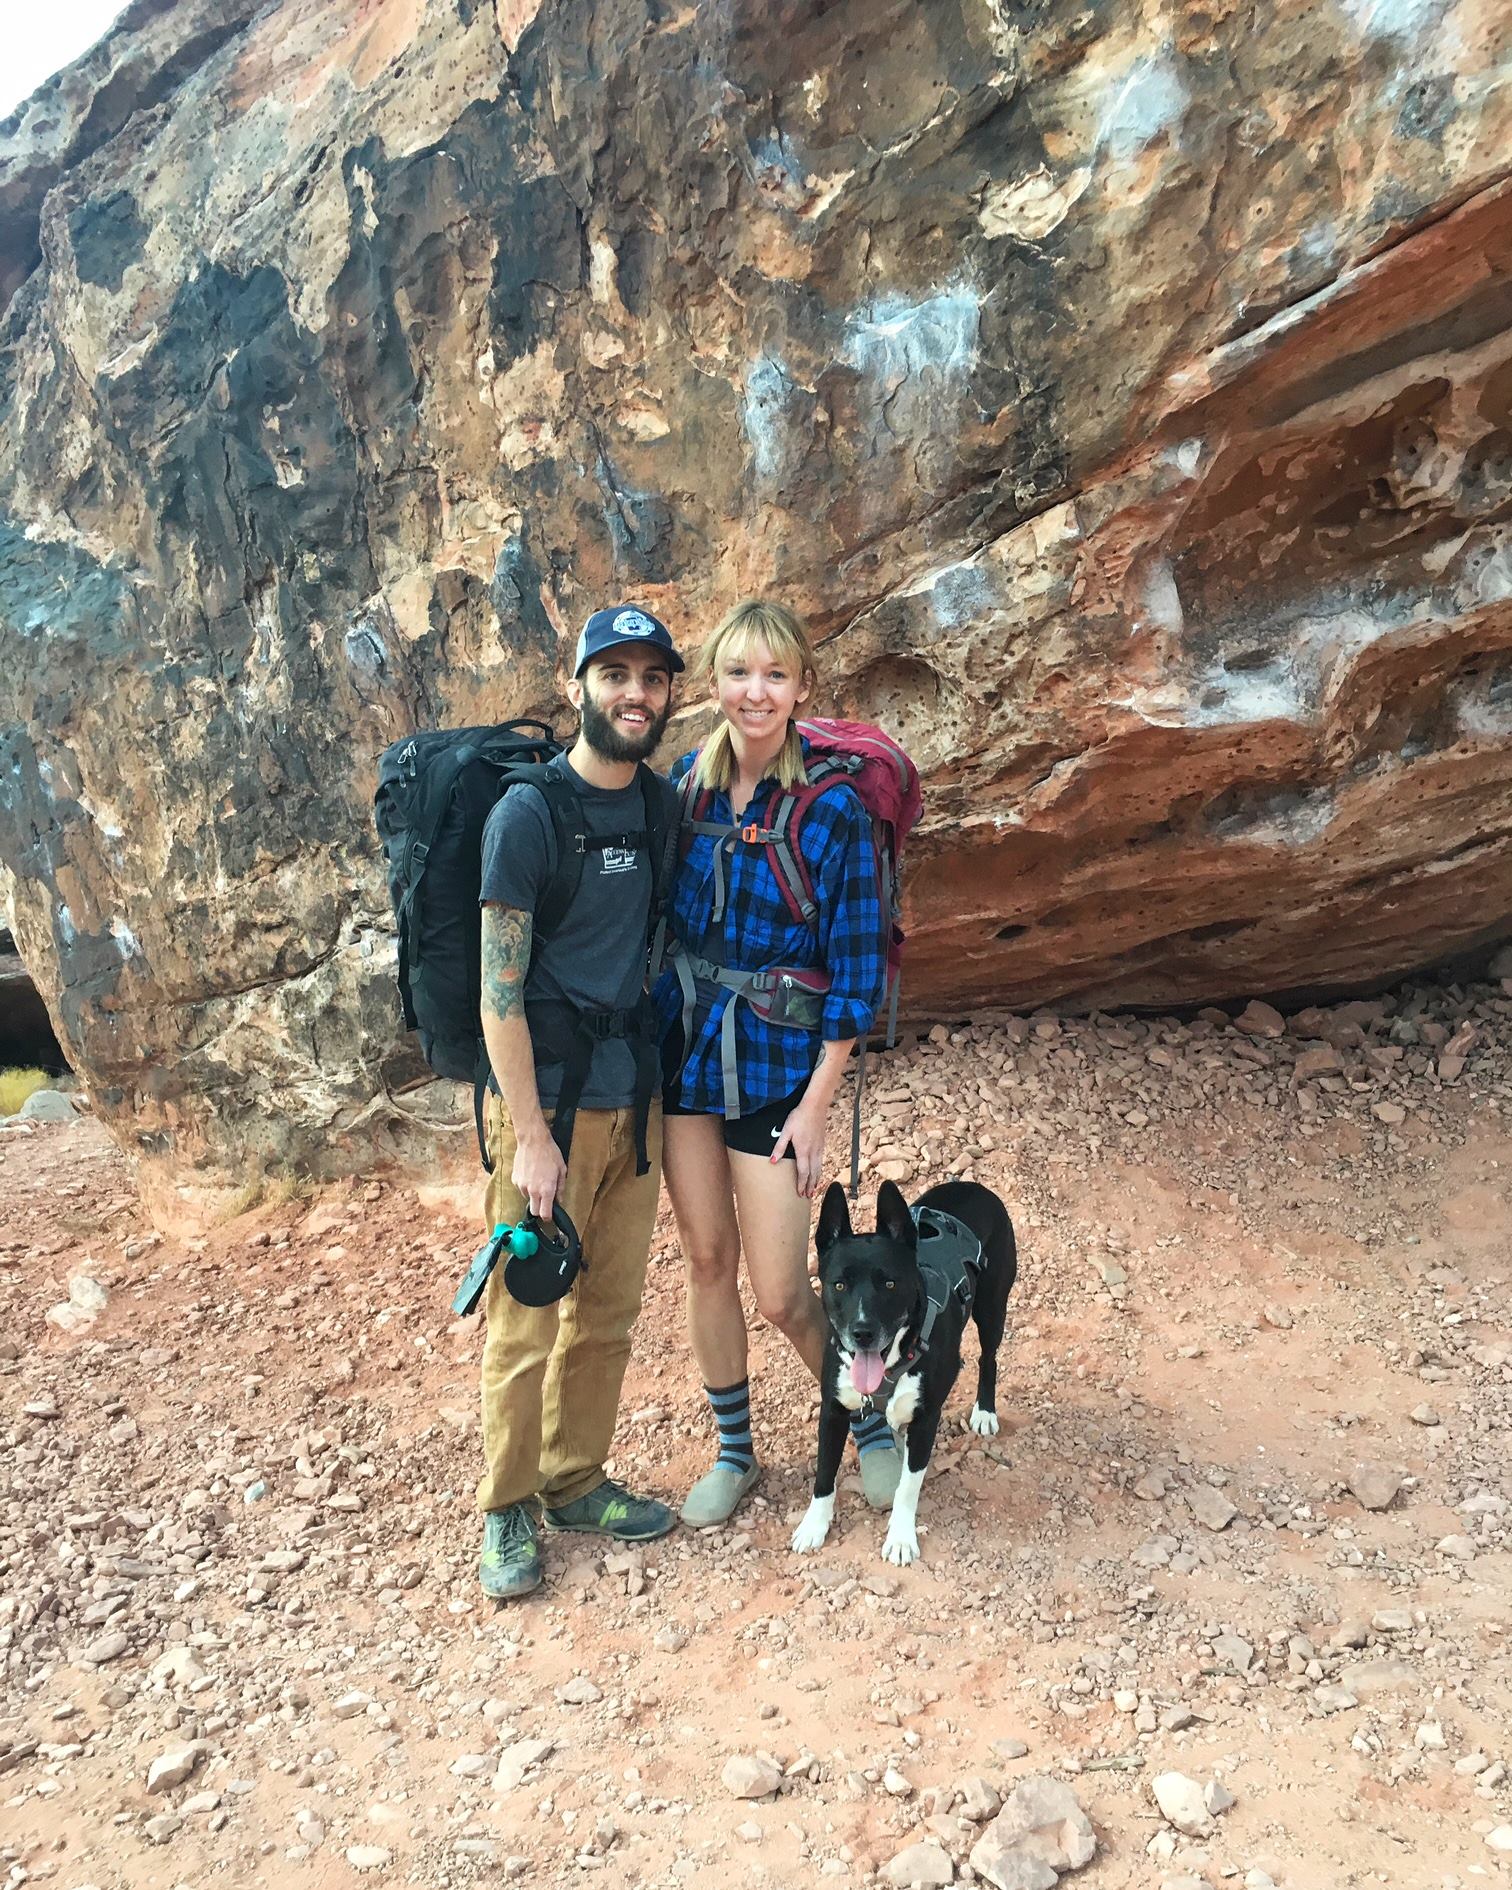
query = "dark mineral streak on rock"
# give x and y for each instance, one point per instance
(1128, 405)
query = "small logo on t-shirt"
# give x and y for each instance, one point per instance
(619, 859)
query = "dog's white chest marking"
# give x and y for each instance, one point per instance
(902, 1405)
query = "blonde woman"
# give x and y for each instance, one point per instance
(753, 1062)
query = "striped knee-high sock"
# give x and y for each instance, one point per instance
(871, 1432)
(732, 1413)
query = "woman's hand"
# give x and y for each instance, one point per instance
(804, 1133)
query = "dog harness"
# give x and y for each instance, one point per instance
(950, 1258)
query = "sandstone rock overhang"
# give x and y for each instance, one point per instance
(1128, 409)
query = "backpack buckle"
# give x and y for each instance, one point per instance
(751, 834)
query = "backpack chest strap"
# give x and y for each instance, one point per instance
(630, 842)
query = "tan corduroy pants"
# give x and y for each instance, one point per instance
(552, 1374)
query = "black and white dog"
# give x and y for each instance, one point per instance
(897, 1303)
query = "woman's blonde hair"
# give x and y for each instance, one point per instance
(752, 621)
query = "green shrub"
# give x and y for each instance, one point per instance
(17, 1085)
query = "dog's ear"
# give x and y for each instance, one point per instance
(893, 1217)
(834, 1217)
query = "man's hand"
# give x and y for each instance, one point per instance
(539, 1173)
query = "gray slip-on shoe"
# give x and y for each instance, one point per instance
(880, 1470)
(717, 1494)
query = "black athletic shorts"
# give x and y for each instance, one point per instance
(755, 1134)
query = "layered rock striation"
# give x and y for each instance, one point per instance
(1125, 393)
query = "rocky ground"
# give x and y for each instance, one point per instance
(1228, 1600)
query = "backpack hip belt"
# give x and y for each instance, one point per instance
(790, 995)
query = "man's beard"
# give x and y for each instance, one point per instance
(610, 742)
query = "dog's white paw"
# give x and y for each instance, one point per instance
(901, 1547)
(813, 1532)
(984, 1423)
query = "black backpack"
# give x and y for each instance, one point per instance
(435, 793)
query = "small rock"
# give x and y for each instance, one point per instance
(750, 1775)
(1374, 1485)
(351, 1705)
(174, 1766)
(1456, 1548)
(517, 1759)
(1042, 1819)
(158, 1829)
(1332, 1699)
(925, 1865)
(1388, 1112)
(1182, 1802)
(980, 1800)
(1425, 1414)
(86, 1292)
(579, 1692)
(1500, 1840)
(106, 1647)
(1259, 1019)
(67, 1317)
(1278, 1317)
(1233, 1651)
(1369, 1679)
(1211, 1507)
(895, 1785)
(47, 1105)
(1007, 1868)
(369, 1856)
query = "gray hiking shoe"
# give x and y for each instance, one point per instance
(880, 1470)
(511, 1562)
(717, 1494)
(611, 1510)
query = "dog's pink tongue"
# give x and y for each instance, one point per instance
(866, 1371)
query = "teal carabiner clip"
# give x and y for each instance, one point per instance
(522, 1242)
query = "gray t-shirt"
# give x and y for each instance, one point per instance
(596, 958)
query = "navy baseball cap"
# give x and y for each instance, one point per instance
(623, 623)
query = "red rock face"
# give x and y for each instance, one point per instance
(1128, 412)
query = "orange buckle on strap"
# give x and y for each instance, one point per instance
(751, 833)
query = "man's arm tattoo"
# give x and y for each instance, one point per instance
(506, 959)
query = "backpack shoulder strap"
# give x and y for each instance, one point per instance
(664, 808)
(566, 811)
(785, 824)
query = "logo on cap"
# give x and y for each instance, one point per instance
(633, 623)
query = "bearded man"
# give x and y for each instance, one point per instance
(570, 892)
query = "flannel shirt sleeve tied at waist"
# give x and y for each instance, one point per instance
(758, 932)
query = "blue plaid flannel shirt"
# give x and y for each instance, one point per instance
(758, 932)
